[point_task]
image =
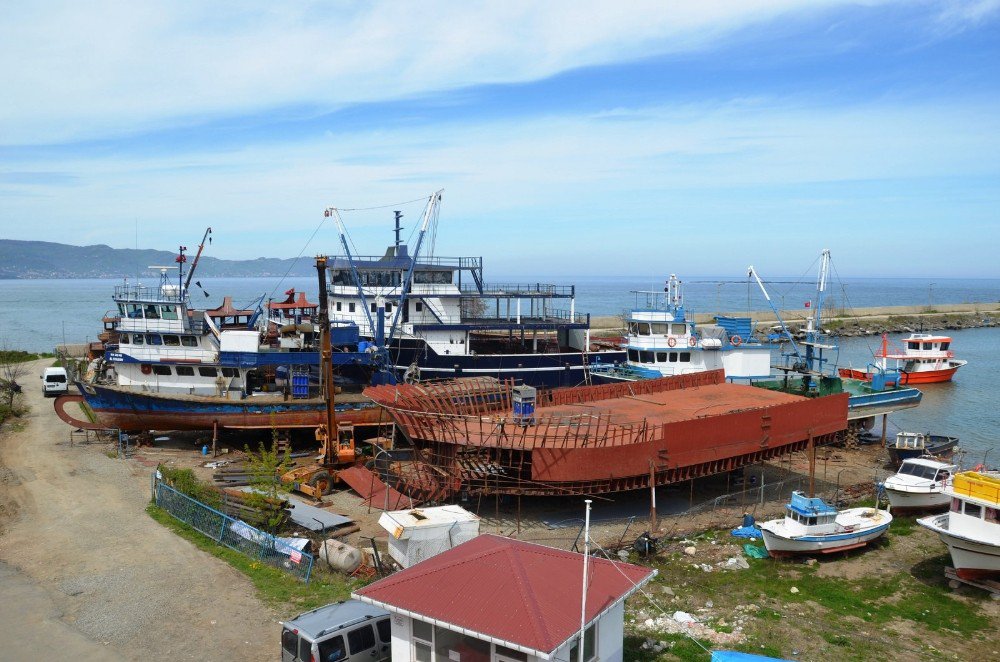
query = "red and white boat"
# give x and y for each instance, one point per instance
(926, 359)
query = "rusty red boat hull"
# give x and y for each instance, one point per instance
(130, 410)
(604, 438)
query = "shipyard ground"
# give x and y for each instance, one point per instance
(87, 574)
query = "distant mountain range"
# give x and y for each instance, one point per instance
(45, 259)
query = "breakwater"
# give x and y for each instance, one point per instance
(861, 321)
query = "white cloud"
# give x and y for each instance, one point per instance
(77, 70)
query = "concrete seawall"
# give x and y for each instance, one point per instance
(861, 321)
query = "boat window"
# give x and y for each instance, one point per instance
(350, 307)
(973, 509)
(172, 340)
(993, 515)
(418, 306)
(121, 309)
(388, 307)
(912, 345)
(372, 307)
(123, 339)
(341, 277)
(644, 329)
(206, 372)
(810, 521)
(945, 345)
(678, 329)
(137, 339)
(685, 357)
(661, 357)
(659, 329)
(645, 357)
(673, 357)
(152, 313)
(189, 341)
(633, 329)
(338, 306)
(956, 505)
(185, 371)
(436, 277)
(161, 370)
(633, 355)
(168, 312)
(153, 339)
(135, 311)
(230, 372)
(927, 345)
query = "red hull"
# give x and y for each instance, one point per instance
(907, 378)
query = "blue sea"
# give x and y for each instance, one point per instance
(36, 315)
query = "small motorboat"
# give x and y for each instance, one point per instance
(917, 444)
(919, 485)
(926, 359)
(971, 528)
(811, 526)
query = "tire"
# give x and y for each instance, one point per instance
(322, 481)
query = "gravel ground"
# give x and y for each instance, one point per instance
(77, 544)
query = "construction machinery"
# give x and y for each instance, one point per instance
(337, 452)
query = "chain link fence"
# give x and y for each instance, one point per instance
(233, 533)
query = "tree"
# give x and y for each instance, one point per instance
(12, 368)
(264, 470)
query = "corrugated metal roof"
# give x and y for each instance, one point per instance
(508, 590)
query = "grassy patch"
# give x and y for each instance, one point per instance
(678, 647)
(17, 356)
(273, 586)
(903, 526)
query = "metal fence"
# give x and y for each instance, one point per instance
(233, 533)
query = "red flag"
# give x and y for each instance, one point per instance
(808, 303)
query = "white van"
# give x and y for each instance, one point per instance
(348, 631)
(54, 381)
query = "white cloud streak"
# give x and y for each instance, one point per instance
(81, 70)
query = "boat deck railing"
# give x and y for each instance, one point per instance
(521, 291)
(147, 293)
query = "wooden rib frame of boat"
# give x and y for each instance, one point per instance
(481, 435)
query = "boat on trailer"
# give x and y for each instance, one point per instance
(971, 528)
(919, 485)
(812, 526)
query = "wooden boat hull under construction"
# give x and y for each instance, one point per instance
(595, 439)
(132, 410)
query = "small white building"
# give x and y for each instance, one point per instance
(420, 533)
(496, 599)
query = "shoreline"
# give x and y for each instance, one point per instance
(859, 321)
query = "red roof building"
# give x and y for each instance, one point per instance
(522, 599)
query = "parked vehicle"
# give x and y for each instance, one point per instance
(343, 631)
(54, 381)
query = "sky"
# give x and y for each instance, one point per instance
(569, 137)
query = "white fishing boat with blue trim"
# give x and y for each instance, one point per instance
(812, 526)
(662, 342)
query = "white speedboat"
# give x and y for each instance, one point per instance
(971, 529)
(813, 526)
(919, 485)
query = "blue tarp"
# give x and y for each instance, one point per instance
(736, 656)
(747, 532)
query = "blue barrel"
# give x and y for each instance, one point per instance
(300, 386)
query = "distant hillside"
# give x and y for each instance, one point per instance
(44, 259)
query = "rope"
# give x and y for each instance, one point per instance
(289, 270)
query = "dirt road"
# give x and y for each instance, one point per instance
(86, 574)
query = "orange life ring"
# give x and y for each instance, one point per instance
(671, 341)
(735, 340)
(692, 341)
(146, 368)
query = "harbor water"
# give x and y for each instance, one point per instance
(36, 315)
